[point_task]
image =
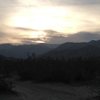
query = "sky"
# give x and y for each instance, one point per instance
(49, 21)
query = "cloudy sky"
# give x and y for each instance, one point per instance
(50, 21)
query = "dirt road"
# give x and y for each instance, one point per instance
(30, 91)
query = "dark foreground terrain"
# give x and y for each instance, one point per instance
(47, 91)
(50, 78)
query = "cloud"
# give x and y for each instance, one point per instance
(2, 34)
(52, 37)
(83, 37)
(19, 35)
(77, 37)
(7, 7)
(52, 32)
(56, 39)
(76, 2)
(84, 15)
(8, 38)
(31, 40)
(24, 29)
(28, 40)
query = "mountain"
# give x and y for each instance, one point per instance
(73, 50)
(23, 51)
(66, 50)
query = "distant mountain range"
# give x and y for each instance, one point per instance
(23, 51)
(73, 50)
(66, 50)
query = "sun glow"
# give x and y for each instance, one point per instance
(39, 19)
(35, 34)
(42, 18)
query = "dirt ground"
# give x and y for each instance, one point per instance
(54, 91)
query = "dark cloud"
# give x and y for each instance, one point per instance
(53, 33)
(30, 40)
(83, 37)
(24, 29)
(77, 37)
(56, 39)
(52, 37)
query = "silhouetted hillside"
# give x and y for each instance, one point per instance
(23, 51)
(71, 50)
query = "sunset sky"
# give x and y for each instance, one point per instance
(50, 21)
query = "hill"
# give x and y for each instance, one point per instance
(73, 50)
(23, 51)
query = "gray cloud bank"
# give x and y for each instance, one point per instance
(52, 37)
(77, 37)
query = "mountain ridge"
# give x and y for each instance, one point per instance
(72, 50)
(25, 50)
